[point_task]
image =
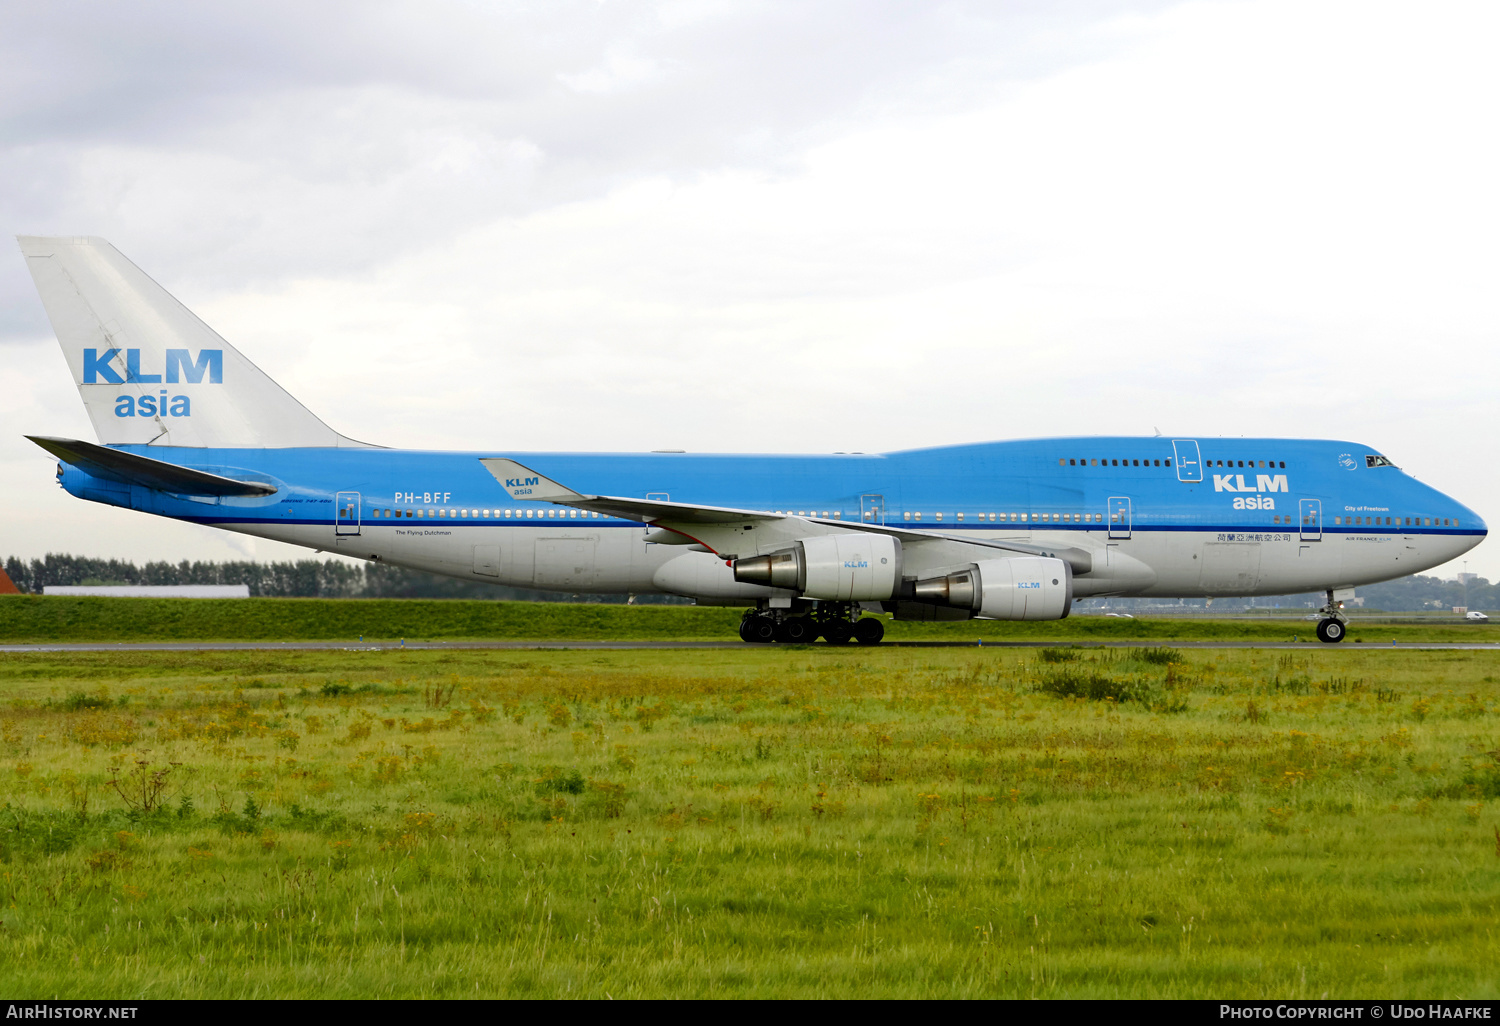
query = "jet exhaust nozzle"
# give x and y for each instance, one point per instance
(959, 590)
(778, 570)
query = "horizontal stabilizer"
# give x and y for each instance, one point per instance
(128, 468)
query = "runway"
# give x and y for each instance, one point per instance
(397, 646)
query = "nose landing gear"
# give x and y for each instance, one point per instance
(1333, 627)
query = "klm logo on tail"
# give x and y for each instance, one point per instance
(98, 369)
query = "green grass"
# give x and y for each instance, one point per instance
(41, 619)
(754, 822)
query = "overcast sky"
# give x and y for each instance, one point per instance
(723, 226)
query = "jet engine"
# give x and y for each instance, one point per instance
(850, 567)
(1021, 588)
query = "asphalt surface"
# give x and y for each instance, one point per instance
(392, 646)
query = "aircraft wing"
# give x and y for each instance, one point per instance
(128, 468)
(523, 483)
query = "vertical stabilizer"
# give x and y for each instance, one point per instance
(149, 371)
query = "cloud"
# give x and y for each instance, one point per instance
(262, 143)
(799, 227)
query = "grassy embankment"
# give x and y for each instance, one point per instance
(952, 822)
(41, 619)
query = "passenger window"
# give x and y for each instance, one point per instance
(1093, 463)
(906, 516)
(1072, 463)
(1169, 461)
(1062, 463)
(960, 517)
(507, 514)
(1114, 463)
(937, 516)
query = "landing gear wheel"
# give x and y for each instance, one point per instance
(797, 630)
(838, 633)
(1330, 631)
(758, 630)
(869, 631)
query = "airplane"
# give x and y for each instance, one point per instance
(190, 429)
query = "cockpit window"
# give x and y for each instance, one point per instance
(1378, 461)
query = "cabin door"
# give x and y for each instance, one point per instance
(1187, 459)
(1119, 516)
(346, 519)
(1310, 517)
(872, 509)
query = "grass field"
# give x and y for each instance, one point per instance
(57, 618)
(788, 822)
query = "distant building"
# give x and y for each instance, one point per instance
(198, 591)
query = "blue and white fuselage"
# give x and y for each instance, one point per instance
(1261, 516)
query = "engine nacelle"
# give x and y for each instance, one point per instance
(851, 567)
(1020, 588)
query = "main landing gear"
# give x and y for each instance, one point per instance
(837, 623)
(1333, 627)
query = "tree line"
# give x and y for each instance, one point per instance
(304, 578)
